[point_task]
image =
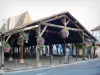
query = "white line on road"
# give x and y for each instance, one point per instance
(41, 74)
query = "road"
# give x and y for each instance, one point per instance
(83, 68)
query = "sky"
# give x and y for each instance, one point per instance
(87, 12)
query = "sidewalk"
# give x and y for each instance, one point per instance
(30, 63)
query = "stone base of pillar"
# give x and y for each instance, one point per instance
(38, 64)
(21, 60)
(10, 59)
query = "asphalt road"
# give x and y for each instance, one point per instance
(84, 68)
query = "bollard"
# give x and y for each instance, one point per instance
(51, 60)
(68, 58)
(16, 63)
(27, 63)
(60, 60)
(76, 58)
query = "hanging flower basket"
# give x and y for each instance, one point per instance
(64, 33)
(40, 43)
(22, 37)
(6, 47)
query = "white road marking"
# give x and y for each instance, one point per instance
(41, 74)
(53, 66)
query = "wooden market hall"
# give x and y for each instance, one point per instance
(60, 30)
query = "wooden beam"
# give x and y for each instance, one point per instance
(83, 36)
(31, 27)
(64, 21)
(59, 26)
(52, 32)
(86, 35)
(76, 24)
(54, 18)
(43, 31)
(72, 21)
(79, 32)
(67, 23)
(8, 38)
(19, 30)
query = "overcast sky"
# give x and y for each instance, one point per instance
(87, 12)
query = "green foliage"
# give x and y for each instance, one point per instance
(5, 45)
(40, 43)
(80, 46)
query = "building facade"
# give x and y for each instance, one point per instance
(96, 34)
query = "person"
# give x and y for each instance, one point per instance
(67, 50)
(59, 49)
(89, 51)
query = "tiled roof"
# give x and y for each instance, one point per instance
(23, 19)
(16, 22)
(96, 28)
(3, 28)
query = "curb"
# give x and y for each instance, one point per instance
(46, 67)
(18, 69)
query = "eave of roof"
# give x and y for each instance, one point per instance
(96, 28)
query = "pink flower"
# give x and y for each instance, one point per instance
(7, 50)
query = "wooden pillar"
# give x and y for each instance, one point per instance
(18, 50)
(51, 53)
(51, 50)
(37, 55)
(22, 53)
(76, 51)
(64, 49)
(57, 49)
(68, 54)
(34, 50)
(31, 50)
(38, 63)
(72, 48)
(84, 46)
(10, 54)
(94, 49)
